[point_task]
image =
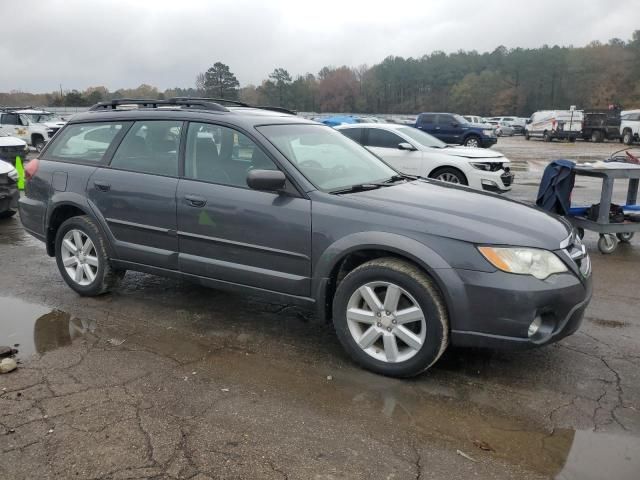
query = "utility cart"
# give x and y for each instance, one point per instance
(610, 233)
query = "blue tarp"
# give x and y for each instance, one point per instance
(338, 120)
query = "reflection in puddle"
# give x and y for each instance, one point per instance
(36, 328)
(445, 413)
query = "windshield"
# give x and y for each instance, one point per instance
(422, 138)
(328, 159)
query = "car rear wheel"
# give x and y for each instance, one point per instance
(82, 259)
(390, 318)
(449, 175)
(596, 136)
(472, 141)
(627, 138)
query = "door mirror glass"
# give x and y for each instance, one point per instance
(269, 180)
(406, 146)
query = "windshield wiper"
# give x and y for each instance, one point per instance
(400, 176)
(360, 187)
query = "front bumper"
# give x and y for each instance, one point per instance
(495, 310)
(9, 196)
(486, 142)
(496, 182)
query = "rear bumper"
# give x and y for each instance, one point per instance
(496, 309)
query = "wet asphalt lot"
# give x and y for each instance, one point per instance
(166, 379)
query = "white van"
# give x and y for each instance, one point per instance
(550, 124)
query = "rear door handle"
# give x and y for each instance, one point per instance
(195, 201)
(102, 186)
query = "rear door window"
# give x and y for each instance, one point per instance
(427, 119)
(353, 134)
(84, 142)
(150, 146)
(382, 138)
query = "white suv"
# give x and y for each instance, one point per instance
(19, 125)
(415, 152)
(630, 126)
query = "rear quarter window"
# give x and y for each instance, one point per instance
(85, 142)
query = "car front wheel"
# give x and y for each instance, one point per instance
(449, 175)
(472, 141)
(82, 259)
(627, 138)
(390, 318)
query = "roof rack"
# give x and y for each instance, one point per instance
(150, 103)
(236, 104)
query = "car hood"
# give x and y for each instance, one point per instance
(11, 142)
(470, 152)
(55, 124)
(5, 167)
(464, 214)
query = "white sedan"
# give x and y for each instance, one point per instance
(415, 152)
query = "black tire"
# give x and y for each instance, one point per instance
(546, 137)
(445, 171)
(526, 135)
(607, 243)
(7, 214)
(107, 277)
(580, 232)
(473, 141)
(625, 237)
(38, 143)
(597, 136)
(422, 289)
(627, 137)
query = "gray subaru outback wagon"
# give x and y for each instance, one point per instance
(259, 201)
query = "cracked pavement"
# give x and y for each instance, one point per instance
(166, 379)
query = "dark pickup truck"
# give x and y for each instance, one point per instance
(600, 125)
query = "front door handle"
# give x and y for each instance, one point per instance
(195, 201)
(102, 186)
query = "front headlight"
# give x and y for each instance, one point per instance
(481, 165)
(524, 261)
(488, 133)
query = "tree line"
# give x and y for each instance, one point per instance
(505, 81)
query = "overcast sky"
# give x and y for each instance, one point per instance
(123, 43)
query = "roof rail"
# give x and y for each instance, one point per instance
(151, 103)
(11, 109)
(237, 104)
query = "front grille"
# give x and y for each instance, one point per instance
(576, 250)
(52, 131)
(11, 151)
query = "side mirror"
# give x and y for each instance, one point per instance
(269, 180)
(406, 146)
(528, 121)
(454, 124)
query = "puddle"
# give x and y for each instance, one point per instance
(434, 409)
(34, 328)
(13, 234)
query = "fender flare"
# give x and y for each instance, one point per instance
(61, 199)
(423, 256)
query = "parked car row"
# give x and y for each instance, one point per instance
(415, 152)
(34, 126)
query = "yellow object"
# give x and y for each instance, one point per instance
(20, 169)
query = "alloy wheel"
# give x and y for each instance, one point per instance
(448, 177)
(386, 322)
(79, 257)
